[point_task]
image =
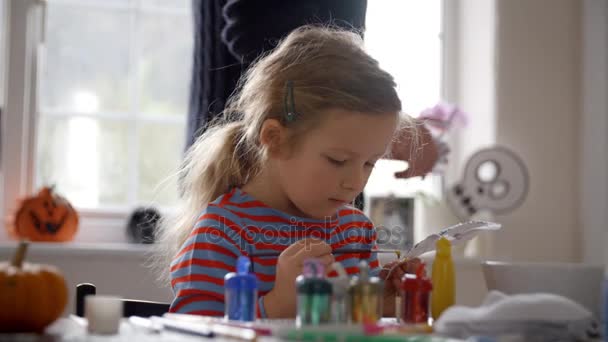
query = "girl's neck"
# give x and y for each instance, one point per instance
(264, 188)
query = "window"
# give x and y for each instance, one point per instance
(95, 102)
(406, 38)
(113, 100)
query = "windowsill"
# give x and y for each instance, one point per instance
(80, 249)
(382, 182)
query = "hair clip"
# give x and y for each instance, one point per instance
(289, 103)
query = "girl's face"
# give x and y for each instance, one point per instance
(331, 164)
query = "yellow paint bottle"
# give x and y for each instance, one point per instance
(443, 278)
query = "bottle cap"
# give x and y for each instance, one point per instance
(411, 282)
(363, 271)
(241, 279)
(312, 280)
(313, 268)
(443, 247)
(364, 282)
(341, 282)
(416, 282)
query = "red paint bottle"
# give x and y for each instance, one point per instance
(416, 293)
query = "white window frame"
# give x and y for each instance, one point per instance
(430, 185)
(23, 18)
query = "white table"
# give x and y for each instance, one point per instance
(68, 330)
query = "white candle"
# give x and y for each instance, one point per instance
(103, 314)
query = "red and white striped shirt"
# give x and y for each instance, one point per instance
(237, 224)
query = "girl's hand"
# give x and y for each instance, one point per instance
(281, 301)
(392, 273)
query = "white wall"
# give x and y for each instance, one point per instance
(538, 116)
(522, 87)
(477, 75)
(594, 131)
(116, 269)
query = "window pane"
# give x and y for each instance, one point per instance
(87, 51)
(85, 158)
(160, 152)
(115, 78)
(166, 42)
(414, 57)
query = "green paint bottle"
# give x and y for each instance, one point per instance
(314, 295)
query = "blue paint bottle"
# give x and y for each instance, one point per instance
(241, 292)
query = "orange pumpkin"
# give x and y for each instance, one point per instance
(46, 217)
(31, 296)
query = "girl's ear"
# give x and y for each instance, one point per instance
(273, 136)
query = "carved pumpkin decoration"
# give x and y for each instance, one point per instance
(46, 217)
(31, 296)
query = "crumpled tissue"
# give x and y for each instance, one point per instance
(525, 317)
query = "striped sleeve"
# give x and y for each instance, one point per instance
(208, 254)
(374, 263)
(372, 260)
(357, 231)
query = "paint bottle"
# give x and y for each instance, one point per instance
(314, 293)
(241, 292)
(444, 287)
(366, 296)
(340, 306)
(415, 293)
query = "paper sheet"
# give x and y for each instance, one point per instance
(457, 234)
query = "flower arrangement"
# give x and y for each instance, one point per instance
(442, 117)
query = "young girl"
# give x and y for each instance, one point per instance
(300, 138)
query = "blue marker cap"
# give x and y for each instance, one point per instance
(242, 279)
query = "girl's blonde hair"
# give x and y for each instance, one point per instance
(328, 69)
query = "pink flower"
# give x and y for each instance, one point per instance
(443, 115)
